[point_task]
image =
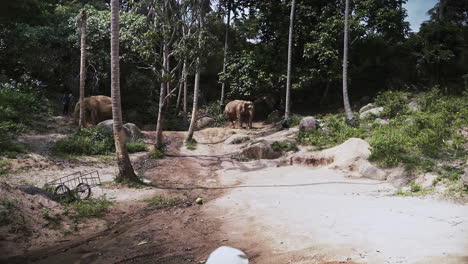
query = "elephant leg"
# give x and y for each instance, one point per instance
(239, 119)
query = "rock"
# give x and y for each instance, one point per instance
(398, 177)
(367, 170)
(376, 112)
(260, 150)
(227, 255)
(132, 132)
(32, 190)
(135, 133)
(236, 139)
(204, 122)
(414, 106)
(381, 121)
(465, 177)
(426, 180)
(199, 200)
(308, 124)
(273, 117)
(366, 107)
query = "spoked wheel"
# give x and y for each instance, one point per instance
(83, 191)
(63, 193)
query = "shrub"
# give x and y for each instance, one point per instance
(240, 140)
(86, 141)
(158, 153)
(214, 111)
(160, 202)
(337, 132)
(284, 146)
(90, 208)
(394, 103)
(191, 144)
(414, 187)
(137, 146)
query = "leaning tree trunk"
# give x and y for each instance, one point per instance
(82, 23)
(347, 105)
(179, 94)
(287, 112)
(126, 172)
(162, 95)
(196, 86)
(226, 46)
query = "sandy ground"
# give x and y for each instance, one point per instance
(322, 214)
(275, 214)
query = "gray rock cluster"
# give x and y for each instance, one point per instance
(132, 132)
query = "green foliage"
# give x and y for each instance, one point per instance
(214, 111)
(18, 108)
(240, 140)
(414, 187)
(335, 132)
(394, 103)
(90, 208)
(86, 141)
(158, 153)
(160, 202)
(10, 215)
(284, 146)
(138, 146)
(4, 167)
(191, 144)
(414, 139)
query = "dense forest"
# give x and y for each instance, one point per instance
(40, 50)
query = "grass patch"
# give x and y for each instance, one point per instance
(4, 167)
(158, 153)
(160, 202)
(284, 146)
(240, 140)
(86, 141)
(90, 208)
(415, 190)
(335, 132)
(9, 215)
(191, 144)
(137, 146)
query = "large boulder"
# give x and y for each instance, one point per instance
(227, 255)
(366, 107)
(381, 121)
(135, 133)
(308, 124)
(204, 122)
(373, 112)
(132, 132)
(261, 150)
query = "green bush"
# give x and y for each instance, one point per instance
(160, 202)
(394, 103)
(240, 140)
(336, 132)
(158, 153)
(138, 146)
(90, 208)
(17, 111)
(284, 146)
(86, 141)
(191, 144)
(214, 111)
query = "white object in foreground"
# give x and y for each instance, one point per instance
(227, 255)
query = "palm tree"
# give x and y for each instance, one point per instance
(81, 21)
(287, 112)
(196, 88)
(126, 172)
(226, 46)
(347, 106)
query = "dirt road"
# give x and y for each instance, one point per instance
(275, 214)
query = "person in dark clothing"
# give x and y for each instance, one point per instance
(66, 99)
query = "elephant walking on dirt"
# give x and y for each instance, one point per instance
(242, 111)
(96, 109)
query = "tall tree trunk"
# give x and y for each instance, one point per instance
(184, 75)
(196, 88)
(162, 94)
(179, 93)
(226, 46)
(347, 105)
(287, 111)
(123, 160)
(82, 24)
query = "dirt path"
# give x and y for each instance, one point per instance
(274, 214)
